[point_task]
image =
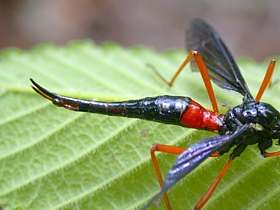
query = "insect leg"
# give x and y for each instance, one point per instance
(166, 149)
(271, 154)
(214, 185)
(203, 71)
(266, 79)
(170, 150)
(236, 152)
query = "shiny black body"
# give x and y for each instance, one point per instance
(264, 125)
(164, 109)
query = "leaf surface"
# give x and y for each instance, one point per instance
(53, 158)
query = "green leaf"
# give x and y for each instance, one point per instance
(53, 158)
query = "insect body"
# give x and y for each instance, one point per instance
(251, 122)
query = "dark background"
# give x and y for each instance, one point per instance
(249, 28)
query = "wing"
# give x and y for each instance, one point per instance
(221, 66)
(193, 156)
(196, 154)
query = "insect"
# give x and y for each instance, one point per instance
(251, 122)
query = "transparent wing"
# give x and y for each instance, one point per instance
(221, 66)
(196, 154)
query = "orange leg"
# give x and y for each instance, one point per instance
(203, 71)
(170, 150)
(266, 80)
(214, 185)
(272, 154)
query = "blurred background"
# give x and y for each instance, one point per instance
(249, 28)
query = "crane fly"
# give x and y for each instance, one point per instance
(251, 122)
